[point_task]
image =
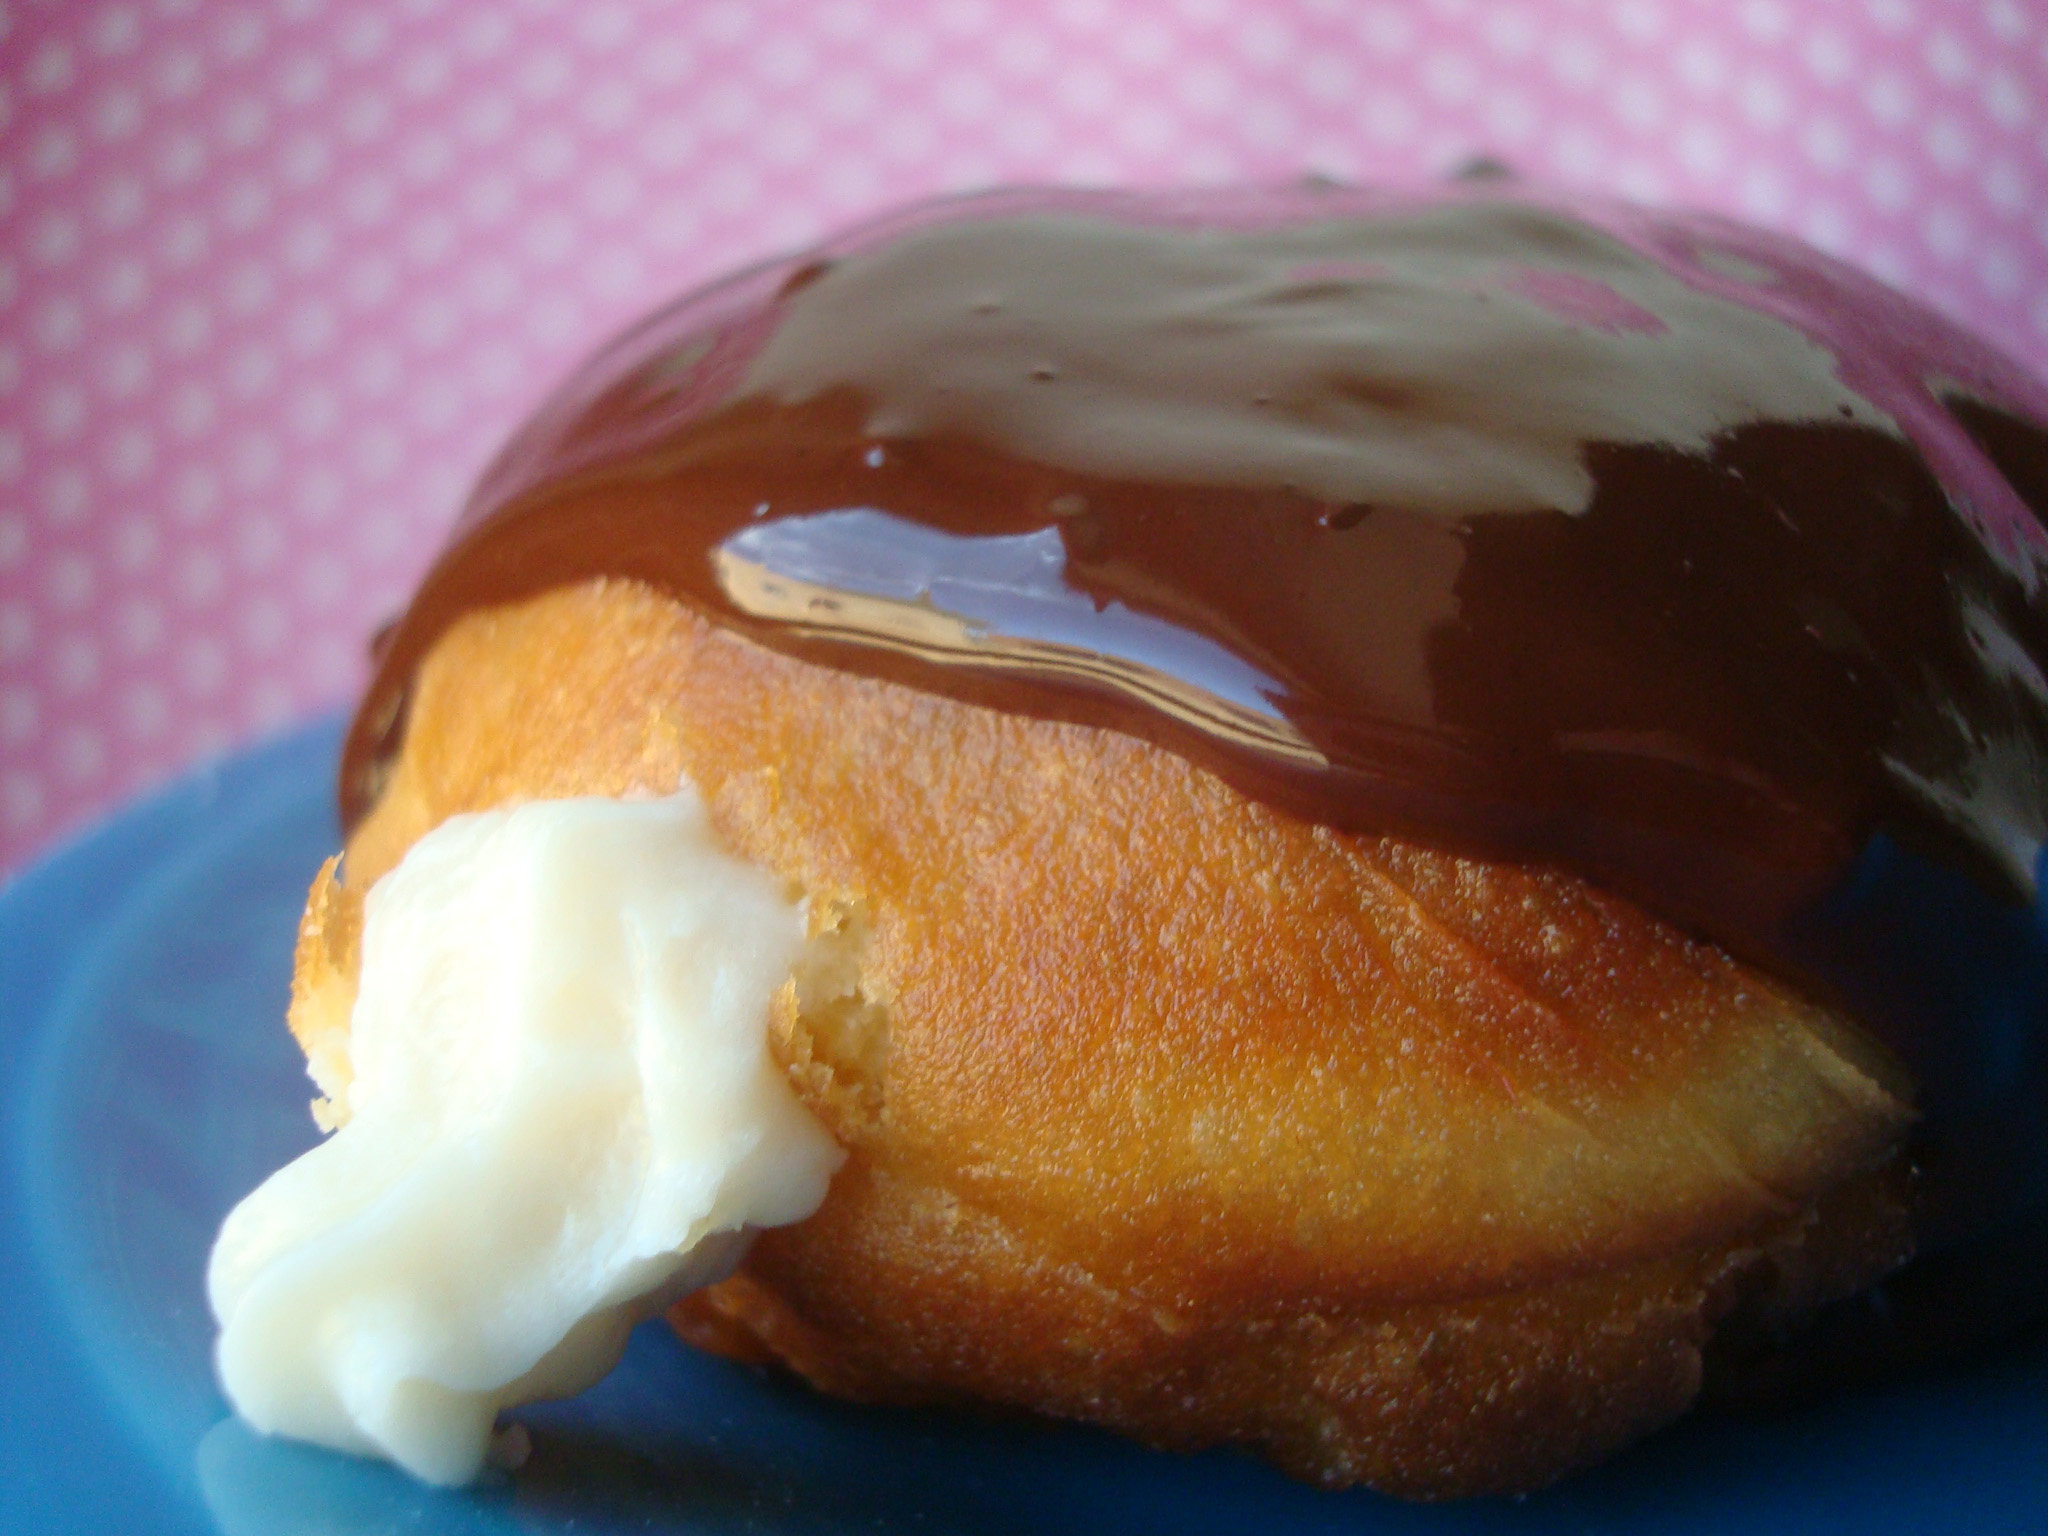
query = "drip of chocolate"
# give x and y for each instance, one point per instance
(1645, 545)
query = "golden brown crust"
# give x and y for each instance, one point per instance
(1166, 1111)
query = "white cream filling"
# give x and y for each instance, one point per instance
(563, 1113)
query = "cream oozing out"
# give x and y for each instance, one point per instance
(563, 1113)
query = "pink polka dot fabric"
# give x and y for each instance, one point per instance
(277, 277)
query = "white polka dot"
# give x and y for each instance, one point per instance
(142, 627)
(245, 204)
(313, 413)
(1764, 20)
(264, 624)
(123, 285)
(81, 754)
(549, 155)
(254, 460)
(614, 272)
(1640, 101)
(130, 455)
(495, 369)
(1948, 144)
(1449, 77)
(322, 581)
(1948, 58)
(51, 68)
(667, 142)
(119, 202)
(367, 117)
(430, 240)
(378, 454)
(544, 76)
(249, 289)
(19, 711)
(54, 152)
(66, 494)
(55, 239)
(1827, 55)
(1945, 232)
(1826, 143)
(187, 327)
(553, 320)
(484, 34)
(23, 794)
(490, 289)
(59, 324)
(202, 666)
(364, 35)
(1576, 60)
(2000, 271)
(437, 402)
(145, 711)
(242, 123)
(2004, 186)
(304, 160)
(674, 226)
(136, 543)
(200, 577)
(302, 79)
(268, 704)
(238, 37)
(191, 409)
(1702, 67)
(611, 106)
(252, 371)
(195, 498)
(376, 372)
(1703, 149)
(61, 412)
(117, 29)
(548, 240)
(259, 542)
(180, 157)
(308, 246)
(1389, 119)
(1824, 224)
(1888, 183)
(311, 328)
(184, 240)
(75, 664)
(317, 495)
(427, 158)
(1143, 42)
(68, 582)
(17, 638)
(1386, 30)
(332, 664)
(178, 74)
(117, 113)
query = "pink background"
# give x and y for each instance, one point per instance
(277, 277)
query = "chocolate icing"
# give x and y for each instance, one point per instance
(1642, 544)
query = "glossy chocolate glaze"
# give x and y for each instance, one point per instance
(1645, 545)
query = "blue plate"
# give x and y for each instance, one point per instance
(148, 1083)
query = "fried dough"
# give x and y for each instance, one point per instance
(1167, 1112)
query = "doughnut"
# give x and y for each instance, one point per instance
(1354, 764)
